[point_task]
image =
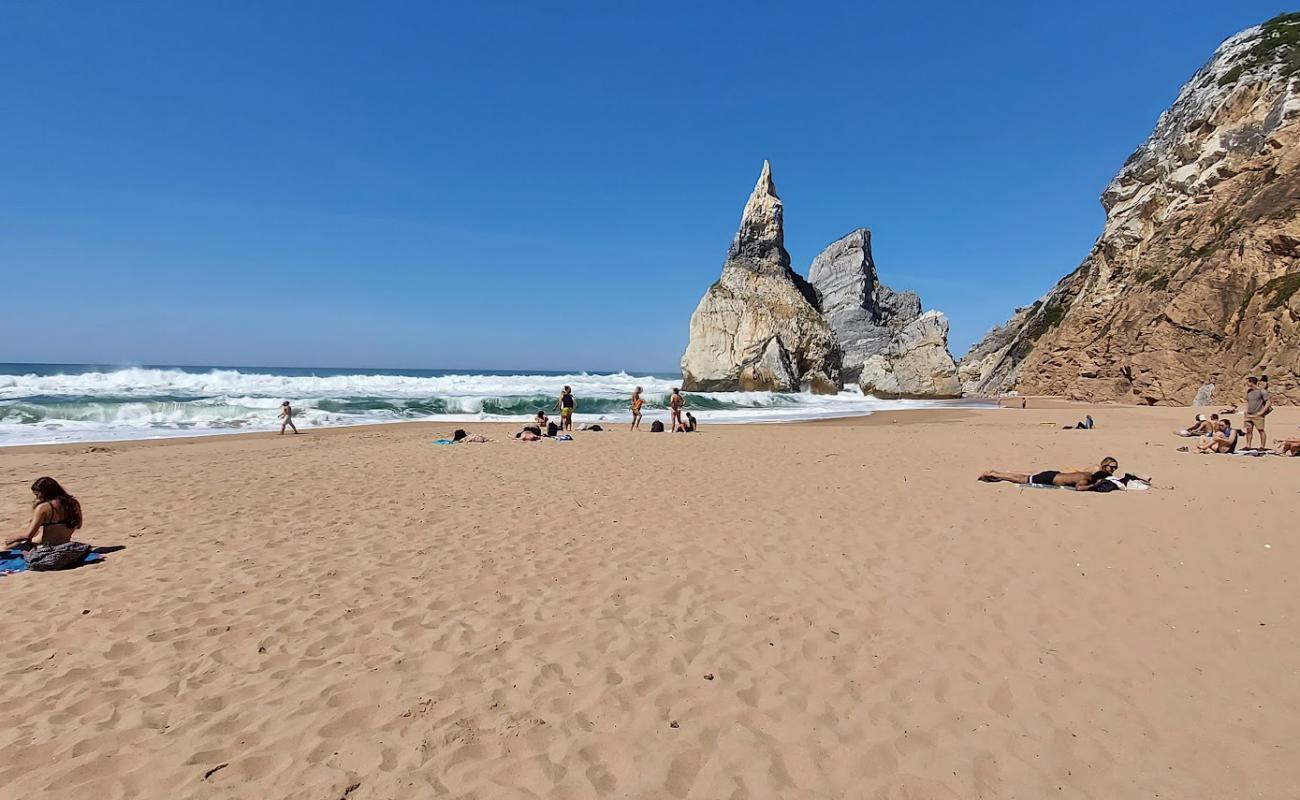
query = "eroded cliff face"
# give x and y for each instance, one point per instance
(757, 328)
(1194, 277)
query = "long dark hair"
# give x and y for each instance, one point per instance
(47, 489)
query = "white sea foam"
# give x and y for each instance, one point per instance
(142, 403)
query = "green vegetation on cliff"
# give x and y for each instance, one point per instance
(1279, 43)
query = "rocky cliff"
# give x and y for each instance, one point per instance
(758, 328)
(889, 348)
(1194, 277)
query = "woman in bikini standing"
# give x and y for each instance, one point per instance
(55, 515)
(675, 403)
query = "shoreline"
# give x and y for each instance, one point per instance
(452, 424)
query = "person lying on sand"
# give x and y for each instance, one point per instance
(55, 515)
(473, 438)
(1202, 427)
(1287, 447)
(1086, 425)
(1083, 481)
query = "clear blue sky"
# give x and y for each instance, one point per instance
(544, 185)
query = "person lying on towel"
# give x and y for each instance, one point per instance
(1083, 481)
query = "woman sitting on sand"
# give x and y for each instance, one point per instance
(1083, 481)
(55, 515)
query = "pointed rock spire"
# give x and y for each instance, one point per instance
(760, 239)
(757, 328)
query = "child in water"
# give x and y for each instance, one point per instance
(286, 418)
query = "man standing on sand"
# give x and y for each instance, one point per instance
(675, 403)
(566, 405)
(1257, 407)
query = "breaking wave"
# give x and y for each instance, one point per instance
(55, 404)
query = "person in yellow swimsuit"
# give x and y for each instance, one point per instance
(566, 404)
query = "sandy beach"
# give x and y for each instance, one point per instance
(823, 610)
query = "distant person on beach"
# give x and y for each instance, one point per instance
(541, 419)
(55, 515)
(1083, 481)
(286, 417)
(675, 403)
(1223, 440)
(638, 402)
(566, 404)
(1258, 406)
(690, 422)
(1202, 427)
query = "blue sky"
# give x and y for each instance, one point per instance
(542, 185)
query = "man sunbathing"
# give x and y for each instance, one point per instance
(1083, 481)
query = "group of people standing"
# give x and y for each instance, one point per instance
(680, 420)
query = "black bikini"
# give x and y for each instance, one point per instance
(63, 521)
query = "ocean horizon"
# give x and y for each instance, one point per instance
(45, 403)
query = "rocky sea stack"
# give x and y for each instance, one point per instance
(763, 327)
(1194, 278)
(890, 349)
(757, 328)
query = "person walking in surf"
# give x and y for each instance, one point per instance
(286, 417)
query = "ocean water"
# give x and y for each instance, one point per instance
(47, 403)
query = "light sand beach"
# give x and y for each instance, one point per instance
(825, 610)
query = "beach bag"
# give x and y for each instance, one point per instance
(552, 429)
(656, 427)
(59, 556)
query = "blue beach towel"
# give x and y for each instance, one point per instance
(443, 441)
(12, 561)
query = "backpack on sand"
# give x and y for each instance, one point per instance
(656, 427)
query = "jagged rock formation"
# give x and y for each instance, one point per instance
(916, 363)
(758, 327)
(1194, 278)
(889, 348)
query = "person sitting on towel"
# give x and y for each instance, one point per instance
(1083, 481)
(1224, 440)
(55, 515)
